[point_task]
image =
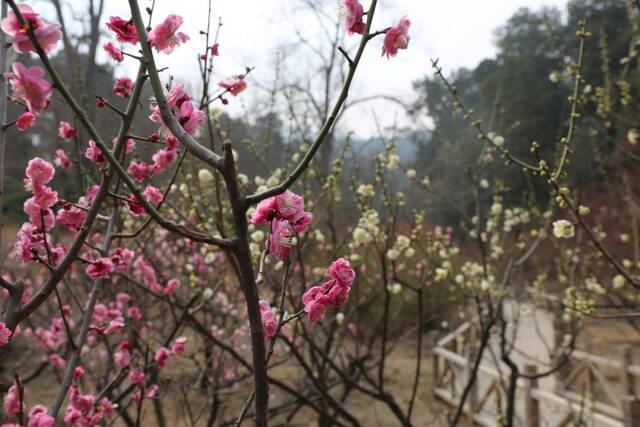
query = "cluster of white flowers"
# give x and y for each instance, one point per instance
(402, 246)
(257, 242)
(563, 229)
(366, 191)
(367, 230)
(513, 217)
(498, 140)
(618, 281)
(471, 271)
(205, 176)
(591, 283)
(395, 288)
(393, 160)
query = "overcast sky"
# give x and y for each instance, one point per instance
(458, 32)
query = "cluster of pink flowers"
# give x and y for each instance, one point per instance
(396, 37)
(151, 194)
(52, 337)
(5, 334)
(332, 293)
(37, 417)
(288, 217)
(163, 354)
(28, 83)
(180, 103)
(39, 210)
(165, 36)
(138, 378)
(147, 273)
(71, 216)
(83, 409)
(139, 170)
(48, 35)
(106, 320)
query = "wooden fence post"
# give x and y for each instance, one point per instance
(531, 407)
(473, 393)
(628, 381)
(631, 410)
(436, 365)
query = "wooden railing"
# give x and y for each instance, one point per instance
(598, 390)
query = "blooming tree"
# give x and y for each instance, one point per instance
(106, 337)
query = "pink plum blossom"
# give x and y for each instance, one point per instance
(99, 268)
(39, 172)
(47, 34)
(234, 87)
(332, 293)
(25, 121)
(125, 31)
(165, 36)
(29, 86)
(123, 87)
(122, 258)
(280, 240)
(12, 402)
(56, 361)
(179, 346)
(269, 322)
(5, 334)
(215, 49)
(71, 217)
(352, 11)
(122, 357)
(152, 195)
(172, 286)
(162, 357)
(396, 38)
(115, 53)
(177, 95)
(162, 159)
(313, 306)
(265, 211)
(62, 159)
(44, 197)
(39, 417)
(36, 214)
(94, 153)
(66, 131)
(289, 204)
(138, 170)
(341, 270)
(301, 221)
(190, 118)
